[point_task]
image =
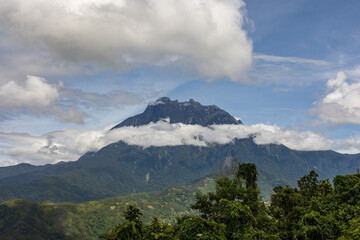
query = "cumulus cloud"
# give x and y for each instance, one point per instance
(35, 93)
(206, 34)
(70, 144)
(341, 104)
(36, 96)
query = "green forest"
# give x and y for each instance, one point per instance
(316, 209)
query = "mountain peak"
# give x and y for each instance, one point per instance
(188, 112)
(163, 99)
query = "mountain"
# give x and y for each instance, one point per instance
(120, 169)
(190, 112)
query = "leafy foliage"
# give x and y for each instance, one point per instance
(131, 229)
(157, 230)
(236, 204)
(200, 228)
(314, 210)
(317, 210)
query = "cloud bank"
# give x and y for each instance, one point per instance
(341, 104)
(206, 34)
(70, 144)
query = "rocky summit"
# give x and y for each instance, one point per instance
(188, 112)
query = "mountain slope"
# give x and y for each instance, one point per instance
(120, 169)
(21, 168)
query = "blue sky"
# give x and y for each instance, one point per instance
(78, 67)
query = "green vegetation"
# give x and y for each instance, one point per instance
(314, 210)
(20, 219)
(229, 207)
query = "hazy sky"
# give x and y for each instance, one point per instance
(71, 69)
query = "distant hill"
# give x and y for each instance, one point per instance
(21, 168)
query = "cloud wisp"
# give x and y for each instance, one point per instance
(341, 104)
(296, 60)
(289, 71)
(70, 144)
(209, 35)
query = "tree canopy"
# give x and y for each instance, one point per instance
(315, 210)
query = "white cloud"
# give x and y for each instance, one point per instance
(70, 144)
(36, 96)
(206, 34)
(341, 104)
(65, 145)
(35, 93)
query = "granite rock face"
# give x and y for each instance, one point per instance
(190, 112)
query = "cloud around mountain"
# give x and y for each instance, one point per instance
(69, 144)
